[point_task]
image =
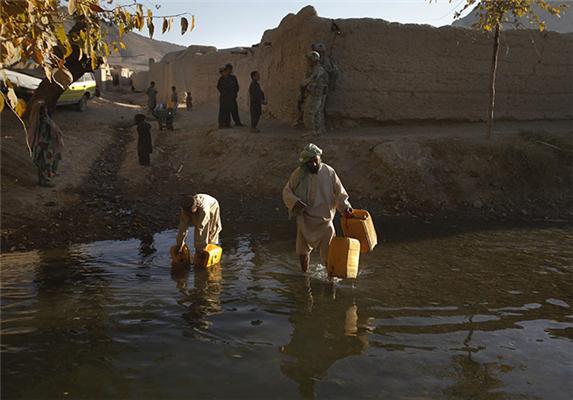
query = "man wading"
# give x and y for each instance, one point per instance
(201, 211)
(313, 193)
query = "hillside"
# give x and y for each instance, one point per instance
(139, 49)
(563, 24)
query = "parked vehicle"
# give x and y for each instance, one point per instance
(78, 93)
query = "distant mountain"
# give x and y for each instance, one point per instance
(138, 49)
(561, 24)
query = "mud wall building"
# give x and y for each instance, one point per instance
(388, 71)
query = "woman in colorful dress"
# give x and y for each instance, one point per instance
(46, 143)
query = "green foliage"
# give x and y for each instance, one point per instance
(35, 31)
(493, 12)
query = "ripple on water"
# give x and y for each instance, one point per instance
(461, 314)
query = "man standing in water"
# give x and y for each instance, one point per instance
(313, 193)
(201, 211)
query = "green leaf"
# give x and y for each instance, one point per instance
(94, 60)
(60, 33)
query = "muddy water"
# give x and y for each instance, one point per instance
(449, 313)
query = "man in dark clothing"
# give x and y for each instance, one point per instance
(151, 97)
(256, 100)
(235, 86)
(226, 97)
(144, 146)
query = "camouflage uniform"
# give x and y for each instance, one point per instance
(316, 86)
(328, 64)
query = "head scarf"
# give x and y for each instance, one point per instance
(301, 188)
(34, 123)
(310, 151)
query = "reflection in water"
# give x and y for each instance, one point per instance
(146, 247)
(70, 298)
(180, 275)
(473, 379)
(204, 298)
(484, 315)
(325, 329)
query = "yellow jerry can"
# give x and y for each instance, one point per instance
(214, 256)
(343, 257)
(182, 258)
(360, 226)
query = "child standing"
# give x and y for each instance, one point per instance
(257, 99)
(173, 101)
(188, 101)
(144, 146)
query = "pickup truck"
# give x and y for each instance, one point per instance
(78, 93)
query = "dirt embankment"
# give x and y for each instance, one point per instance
(425, 170)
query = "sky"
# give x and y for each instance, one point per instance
(233, 23)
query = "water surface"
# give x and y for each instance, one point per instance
(435, 313)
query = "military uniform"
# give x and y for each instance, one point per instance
(316, 86)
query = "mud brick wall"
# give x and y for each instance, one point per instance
(390, 71)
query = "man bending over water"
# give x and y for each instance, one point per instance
(201, 211)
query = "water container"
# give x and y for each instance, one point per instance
(215, 252)
(343, 257)
(360, 226)
(182, 258)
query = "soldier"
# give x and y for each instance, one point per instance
(332, 70)
(315, 87)
(328, 64)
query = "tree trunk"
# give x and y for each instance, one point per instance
(492, 83)
(50, 91)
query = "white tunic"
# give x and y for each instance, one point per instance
(206, 220)
(325, 195)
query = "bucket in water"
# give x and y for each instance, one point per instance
(343, 257)
(211, 256)
(180, 258)
(360, 226)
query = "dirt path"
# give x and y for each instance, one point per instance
(422, 170)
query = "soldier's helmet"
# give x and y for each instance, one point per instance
(319, 47)
(313, 56)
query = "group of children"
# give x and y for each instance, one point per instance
(165, 113)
